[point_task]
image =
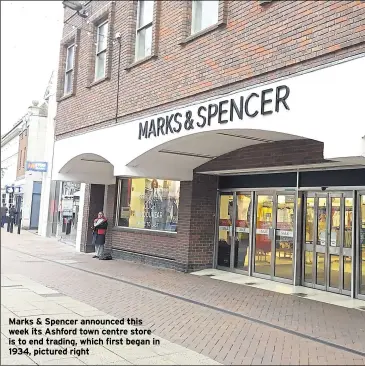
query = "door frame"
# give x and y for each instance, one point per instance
(356, 248)
(232, 241)
(216, 239)
(274, 194)
(327, 250)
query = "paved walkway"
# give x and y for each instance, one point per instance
(226, 322)
(22, 298)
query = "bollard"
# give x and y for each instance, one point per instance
(19, 225)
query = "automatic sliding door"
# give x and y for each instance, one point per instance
(284, 236)
(263, 236)
(309, 237)
(242, 232)
(321, 242)
(361, 237)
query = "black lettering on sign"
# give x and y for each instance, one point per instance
(222, 111)
(283, 99)
(265, 101)
(235, 108)
(160, 125)
(173, 123)
(177, 129)
(152, 129)
(200, 109)
(212, 111)
(254, 114)
(143, 128)
(189, 122)
(168, 124)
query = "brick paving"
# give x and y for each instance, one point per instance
(226, 338)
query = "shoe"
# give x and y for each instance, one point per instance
(95, 256)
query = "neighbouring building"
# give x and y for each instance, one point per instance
(60, 201)
(9, 163)
(225, 134)
(31, 166)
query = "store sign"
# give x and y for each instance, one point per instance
(227, 110)
(9, 189)
(37, 166)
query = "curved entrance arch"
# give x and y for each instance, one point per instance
(87, 168)
(177, 159)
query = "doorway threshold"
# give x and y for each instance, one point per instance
(283, 288)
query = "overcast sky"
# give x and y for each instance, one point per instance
(29, 53)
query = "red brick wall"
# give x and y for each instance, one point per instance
(258, 43)
(278, 153)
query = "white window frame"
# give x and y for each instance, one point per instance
(69, 71)
(99, 52)
(194, 21)
(140, 29)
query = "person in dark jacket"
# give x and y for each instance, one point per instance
(12, 214)
(4, 211)
(99, 231)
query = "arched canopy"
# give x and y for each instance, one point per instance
(324, 105)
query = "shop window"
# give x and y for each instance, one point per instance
(148, 204)
(144, 29)
(3, 199)
(101, 50)
(204, 14)
(69, 69)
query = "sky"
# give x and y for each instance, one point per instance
(29, 53)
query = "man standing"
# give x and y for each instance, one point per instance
(4, 211)
(12, 214)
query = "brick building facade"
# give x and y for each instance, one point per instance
(134, 74)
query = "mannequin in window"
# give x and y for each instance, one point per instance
(154, 206)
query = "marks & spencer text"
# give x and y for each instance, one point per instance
(225, 111)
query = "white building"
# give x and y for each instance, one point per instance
(55, 219)
(9, 160)
(31, 154)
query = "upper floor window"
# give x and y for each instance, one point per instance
(204, 14)
(144, 29)
(69, 69)
(101, 48)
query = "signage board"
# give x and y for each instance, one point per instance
(9, 189)
(37, 166)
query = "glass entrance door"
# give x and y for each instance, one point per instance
(361, 241)
(242, 231)
(225, 230)
(274, 235)
(328, 239)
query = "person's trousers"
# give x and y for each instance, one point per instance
(99, 250)
(3, 219)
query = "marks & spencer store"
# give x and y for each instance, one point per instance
(268, 181)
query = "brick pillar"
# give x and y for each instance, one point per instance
(109, 211)
(183, 228)
(196, 225)
(94, 202)
(202, 221)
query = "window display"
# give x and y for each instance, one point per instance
(148, 204)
